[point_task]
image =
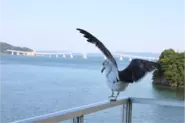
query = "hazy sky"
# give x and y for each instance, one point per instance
(122, 25)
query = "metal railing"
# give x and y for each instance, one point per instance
(77, 114)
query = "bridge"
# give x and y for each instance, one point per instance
(77, 114)
(17, 52)
(121, 56)
(71, 55)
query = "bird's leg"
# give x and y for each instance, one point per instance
(114, 97)
(117, 95)
(112, 94)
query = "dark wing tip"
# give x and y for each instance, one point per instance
(79, 29)
(150, 66)
(90, 37)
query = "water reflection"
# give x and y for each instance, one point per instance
(161, 92)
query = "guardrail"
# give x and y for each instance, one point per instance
(77, 114)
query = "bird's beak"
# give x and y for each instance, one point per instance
(102, 69)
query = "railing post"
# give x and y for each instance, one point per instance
(79, 119)
(127, 112)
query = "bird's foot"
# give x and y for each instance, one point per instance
(113, 99)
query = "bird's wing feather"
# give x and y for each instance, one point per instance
(137, 70)
(99, 44)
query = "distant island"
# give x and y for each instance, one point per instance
(5, 46)
(171, 73)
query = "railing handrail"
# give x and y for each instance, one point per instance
(74, 112)
(95, 107)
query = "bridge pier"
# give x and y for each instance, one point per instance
(17, 52)
(84, 56)
(121, 58)
(71, 56)
(64, 56)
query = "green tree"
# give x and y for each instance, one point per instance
(172, 68)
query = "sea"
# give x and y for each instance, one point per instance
(38, 85)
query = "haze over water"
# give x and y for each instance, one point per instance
(32, 86)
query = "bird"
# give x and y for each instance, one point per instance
(118, 80)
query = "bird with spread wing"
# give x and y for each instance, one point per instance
(119, 80)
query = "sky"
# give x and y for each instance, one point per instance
(122, 25)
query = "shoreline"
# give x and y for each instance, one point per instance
(167, 87)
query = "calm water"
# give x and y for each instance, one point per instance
(32, 86)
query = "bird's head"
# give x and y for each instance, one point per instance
(105, 66)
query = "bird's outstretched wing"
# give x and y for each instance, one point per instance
(99, 44)
(137, 69)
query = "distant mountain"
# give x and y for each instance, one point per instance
(5, 46)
